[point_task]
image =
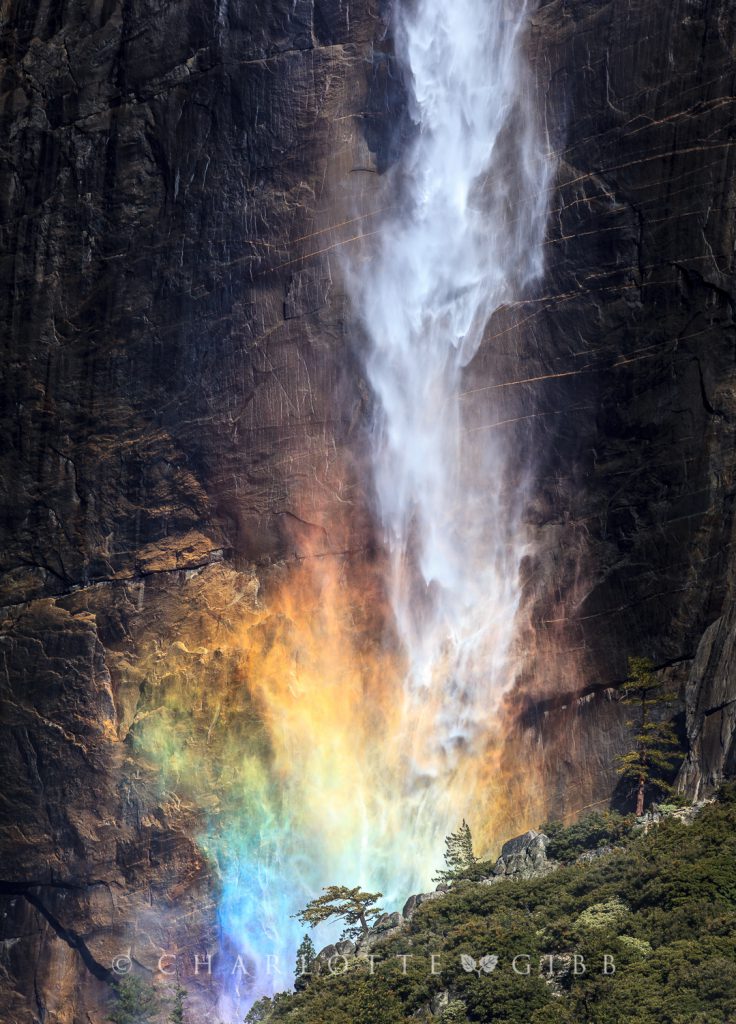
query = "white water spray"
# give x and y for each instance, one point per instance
(367, 800)
(468, 236)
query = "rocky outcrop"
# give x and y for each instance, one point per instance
(657, 813)
(710, 702)
(417, 900)
(524, 857)
(333, 957)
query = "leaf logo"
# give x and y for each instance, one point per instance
(485, 965)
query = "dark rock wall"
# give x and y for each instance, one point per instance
(633, 435)
(161, 162)
(640, 307)
(176, 403)
(180, 402)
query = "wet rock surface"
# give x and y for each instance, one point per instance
(173, 181)
(632, 387)
(176, 406)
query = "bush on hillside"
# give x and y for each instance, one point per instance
(605, 828)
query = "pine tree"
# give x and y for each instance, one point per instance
(459, 857)
(305, 957)
(355, 907)
(657, 746)
(260, 1011)
(176, 1016)
(136, 1002)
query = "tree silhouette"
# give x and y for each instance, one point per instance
(459, 857)
(354, 906)
(306, 954)
(656, 745)
(176, 1016)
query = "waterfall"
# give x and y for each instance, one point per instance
(335, 758)
(472, 201)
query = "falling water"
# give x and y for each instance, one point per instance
(322, 755)
(467, 238)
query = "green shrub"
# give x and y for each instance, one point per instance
(606, 916)
(589, 833)
(673, 891)
(135, 1002)
(638, 947)
(727, 793)
(454, 1013)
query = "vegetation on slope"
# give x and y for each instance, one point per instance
(663, 907)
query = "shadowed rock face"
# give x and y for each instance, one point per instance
(641, 306)
(176, 405)
(181, 404)
(635, 437)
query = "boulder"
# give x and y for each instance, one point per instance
(415, 901)
(525, 856)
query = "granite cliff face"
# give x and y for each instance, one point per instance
(635, 432)
(175, 373)
(182, 409)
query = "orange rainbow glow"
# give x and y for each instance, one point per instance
(338, 721)
(289, 727)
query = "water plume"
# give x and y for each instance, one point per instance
(467, 238)
(333, 737)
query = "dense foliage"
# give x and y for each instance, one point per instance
(663, 906)
(135, 1002)
(607, 828)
